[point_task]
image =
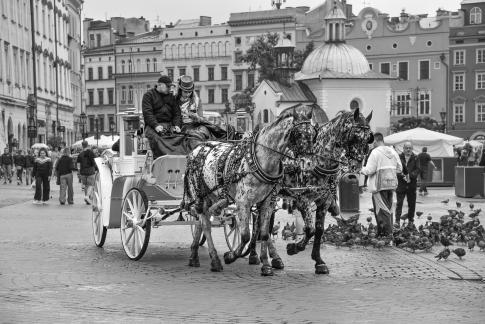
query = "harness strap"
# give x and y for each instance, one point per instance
(254, 164)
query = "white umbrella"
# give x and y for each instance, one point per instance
(38, 146)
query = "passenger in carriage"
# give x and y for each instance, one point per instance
(193, 122)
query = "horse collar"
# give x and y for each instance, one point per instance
(254, 164)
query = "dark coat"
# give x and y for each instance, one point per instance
(29, 161)
(411, 168)
(42, 167)
(160, 108)
(6, 159)
(19, 160)
(64, 165)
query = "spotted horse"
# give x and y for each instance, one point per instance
(340, 147)
(244, 173)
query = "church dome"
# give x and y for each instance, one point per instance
(337, 59)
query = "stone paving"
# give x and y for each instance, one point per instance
(50, 271)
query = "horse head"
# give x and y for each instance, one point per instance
(355, 136)
(344, 140)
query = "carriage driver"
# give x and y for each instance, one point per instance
(161, 112)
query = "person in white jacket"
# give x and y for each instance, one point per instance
(382, 168)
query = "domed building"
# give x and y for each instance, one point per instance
(339, 76)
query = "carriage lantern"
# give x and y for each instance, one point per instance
(131, 123)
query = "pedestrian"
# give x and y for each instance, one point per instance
(407, 183)
(87, 170)
(6, 161)
(54, 156)
(42, 172)
(382, 168)
(29, 166)
(64, 168)
(424, 160)
(19, 160)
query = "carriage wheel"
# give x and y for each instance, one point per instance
(232, 231)
(135, 229)
(192, 229)
(99, 230)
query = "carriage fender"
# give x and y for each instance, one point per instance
(120, 188)
(106, 183)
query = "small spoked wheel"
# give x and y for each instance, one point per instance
(135, 227)
(192, 228)
(232, 232)
(99, 230)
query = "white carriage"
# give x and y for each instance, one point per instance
(135, 194)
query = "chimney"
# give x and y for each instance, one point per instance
(205, 21)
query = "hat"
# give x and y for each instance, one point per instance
(186, 83)
(165, 79)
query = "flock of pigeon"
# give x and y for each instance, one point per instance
(452, 230)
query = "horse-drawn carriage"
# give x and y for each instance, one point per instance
(135, 194)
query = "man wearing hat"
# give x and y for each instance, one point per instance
(161, 113)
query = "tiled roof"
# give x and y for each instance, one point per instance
(296, 92)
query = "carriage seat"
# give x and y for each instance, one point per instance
(169, 172)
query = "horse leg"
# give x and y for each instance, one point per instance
(253, 255)
(216, 264)
(266, 269)
(320, 266)
(309, 230)
(266, 210)
(194, 248)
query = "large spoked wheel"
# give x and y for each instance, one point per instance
(99, 230)
(192, 229)
(232, 232)
(135, 227)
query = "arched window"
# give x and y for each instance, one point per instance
(208, 52)
(174, 51)
(168, 52)
(154, 65)
(123, 66)
(227, 49)
(214, 48)
(201, 50)
(476, 16)
(130, 66)
(138, 65)
(123, 94)
(148, 65)
(265, 116)
(195, 52)
(181, 51)
(130, 95)
(188, 54)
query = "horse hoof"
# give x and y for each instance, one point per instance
(229, 257)
(266, 270)
(254, 260)
(194, 263)
(291, 249)
(321, 269)
(277, 264)
(216, 265)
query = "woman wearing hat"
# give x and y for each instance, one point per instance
(193, 122)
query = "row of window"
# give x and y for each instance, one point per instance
(101, 97)
(402, 104)
(45, 17)
(17, 65)
(197, 50)
(459, 56)
(129, 66)
(100, 73)
(401, 69)
(459, 112)
(16, 10)
(459, 81)
(97, 123)
(211, 76)
(475, 15)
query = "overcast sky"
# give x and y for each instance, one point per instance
(166, 11)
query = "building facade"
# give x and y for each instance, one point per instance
(52, 74)
(138, 67)
(100, 95)
(203, 51)
(412, 49)
(467, 72)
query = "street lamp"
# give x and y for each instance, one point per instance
(82, 121)
(97, 133)
(112, 126)
(443, 120)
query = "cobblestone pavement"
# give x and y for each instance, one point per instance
(50, 271)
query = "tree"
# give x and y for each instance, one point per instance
(260, 55)
(299, 57)
(413, 122)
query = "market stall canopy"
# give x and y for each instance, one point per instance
(438, 144)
